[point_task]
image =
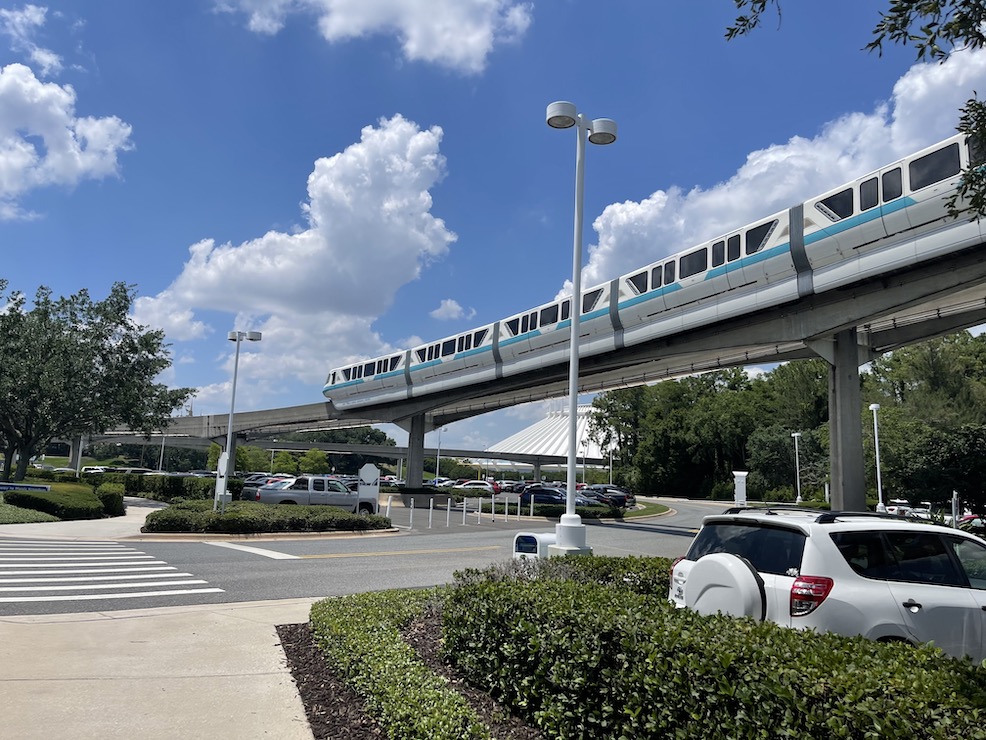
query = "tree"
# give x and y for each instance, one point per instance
(349, 464)
(314, 461)
(935, 28)
(74, 366)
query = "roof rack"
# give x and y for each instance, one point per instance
(771, 509)
(830, 516)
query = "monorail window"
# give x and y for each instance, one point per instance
(694, 262)
(478, 337)
(394, 362)
(935, 167)
(638, 282)
(758, 235)
(465, 342)
(431, 354)
(549, 315)
(448, 347)
(892, 185)
(381, 366)
(835, 207)
(346, 373)
(359, 371)
(566, 309)
(369, 369)
(869, 194)
(977, 150)
(655, 277)
(525, 324)
(590, 299)
(733, 247)
(669, 273)
(718, 254)
(422, 355)
(514, 326)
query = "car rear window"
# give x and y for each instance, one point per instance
(776, 550)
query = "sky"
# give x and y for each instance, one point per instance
(353, 177)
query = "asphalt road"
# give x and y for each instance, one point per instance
(46, 578)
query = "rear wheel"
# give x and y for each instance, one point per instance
(365, 510)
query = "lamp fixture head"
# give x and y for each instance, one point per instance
(603, 131)
(874, 407)
(561, 114)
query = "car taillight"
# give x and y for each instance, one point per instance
(807, 592)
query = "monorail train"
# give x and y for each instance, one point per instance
(888, 219)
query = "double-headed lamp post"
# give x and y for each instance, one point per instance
(797, 466)
(227, 461)
(880, 507)
(570, 532)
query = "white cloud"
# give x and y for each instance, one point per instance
(459, 34)
(923, 110)
(20, 26)
(315, 293)
(451, 309)
(43, 143)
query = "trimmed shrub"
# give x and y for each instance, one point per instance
(583, 660)
(249, 517)
(111, 497)
(63, 504)
(361, 635)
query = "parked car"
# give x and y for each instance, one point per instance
(609, 496)
(542, 495)
(853, 573)
(314, 490)
(481, 485)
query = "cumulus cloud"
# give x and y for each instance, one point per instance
(316, 292)
(20, 26)
(43, 142)
(458, 34)
(451, 309)
(922, 110)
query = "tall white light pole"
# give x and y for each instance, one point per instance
(438, 456)
(570, 532)
(880, 507)
(227, 461)
(797, 466)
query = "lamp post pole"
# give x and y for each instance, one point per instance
(797, 466)
(227, 461)
(570, 532)
(880, 507)
(438, 456)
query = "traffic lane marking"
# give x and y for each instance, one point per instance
(400, 552)
(273, 554)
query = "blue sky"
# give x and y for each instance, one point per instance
(354, 176)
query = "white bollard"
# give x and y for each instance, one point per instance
(448, 512)
(465, 507)
(431, 511)
(410, 522)
(389, 501)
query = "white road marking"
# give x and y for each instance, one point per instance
(273, 554)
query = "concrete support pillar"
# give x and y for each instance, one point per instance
(416, 452)
(537, 471)
(845, 432)
(75, 453)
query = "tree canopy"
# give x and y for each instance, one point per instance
(74, 366)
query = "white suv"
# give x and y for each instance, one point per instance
(853, 573)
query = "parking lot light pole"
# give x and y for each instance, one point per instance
(570, 532)
(226, 471)
(880, 507)
(797, 466)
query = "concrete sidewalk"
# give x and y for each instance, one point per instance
(205, 671)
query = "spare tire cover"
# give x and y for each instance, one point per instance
(721, 582)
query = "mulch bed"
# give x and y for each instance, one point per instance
(336, 711)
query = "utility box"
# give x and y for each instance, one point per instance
(532, 545)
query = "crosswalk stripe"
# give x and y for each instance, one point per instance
(96, 597)
(132, 569)
(77, 586)
(93, 579)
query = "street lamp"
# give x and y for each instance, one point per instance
(570, 532)
(880, 507)
(797, 465)
(227, 462)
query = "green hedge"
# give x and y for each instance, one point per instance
(361, 635)
(63, 504)
(584, 660)
(249, 517)
(164, 487)
(111, 497)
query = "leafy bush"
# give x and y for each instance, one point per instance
(75, 504)
(635, 574)
(111, 497)
(361, 635)
(10, 514)
(247, 517)
(584, 660)
(165, 487)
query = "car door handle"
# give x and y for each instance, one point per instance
(912, 605)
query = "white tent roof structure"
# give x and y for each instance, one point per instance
(550, 437)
